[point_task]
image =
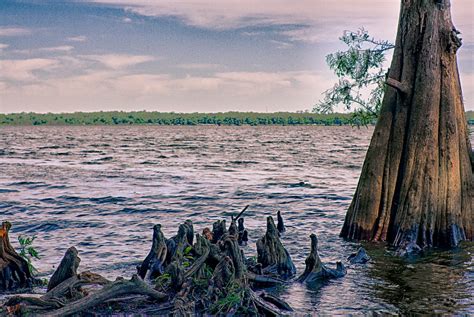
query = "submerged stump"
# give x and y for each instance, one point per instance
(315, 270)
(361, 257)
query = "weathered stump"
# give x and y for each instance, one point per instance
(153, 265)
(66, 286)
(315, 270)
(233, 231)
(188, 224)
(66, 269)
(281, 225)
(224, 273)
(218, 230)
(177, 244)
(243, 233)
(205, 278)
(232, 250)
(272, 254)
(14, 270)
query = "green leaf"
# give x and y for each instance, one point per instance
(188, 249)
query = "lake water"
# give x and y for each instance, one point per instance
(102, 189)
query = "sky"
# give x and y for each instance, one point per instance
(187, 55)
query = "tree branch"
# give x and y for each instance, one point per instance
(397, 85)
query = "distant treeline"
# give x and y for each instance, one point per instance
(172, 118)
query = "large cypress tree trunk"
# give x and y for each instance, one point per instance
(416, 184)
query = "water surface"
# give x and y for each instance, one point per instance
(102, 189)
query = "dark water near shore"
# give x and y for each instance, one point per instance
(101, 189)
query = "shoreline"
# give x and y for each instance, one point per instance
(145, 118)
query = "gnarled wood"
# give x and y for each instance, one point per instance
(202, 248)
(177, 244)
(272, 254)
(59, 296)
(66, 269)
(218, 230)
(118, 288)
(231, 249)
(154, 263)
(263, 280)
(417, 184)
(183, 289)
(224, 273)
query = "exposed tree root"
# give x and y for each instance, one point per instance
(116, 289)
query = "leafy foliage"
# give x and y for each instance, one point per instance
(28, 251)
(361, 74)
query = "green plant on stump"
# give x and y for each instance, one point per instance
(28, 251)
(233, 298)
(163, 281)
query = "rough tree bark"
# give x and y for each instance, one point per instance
(416, 186)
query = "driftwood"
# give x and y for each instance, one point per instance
(118, 288)
(69, 290)
(276, 301)
(272, 254)
(242, 212)
(315, 270)
(14, 270)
